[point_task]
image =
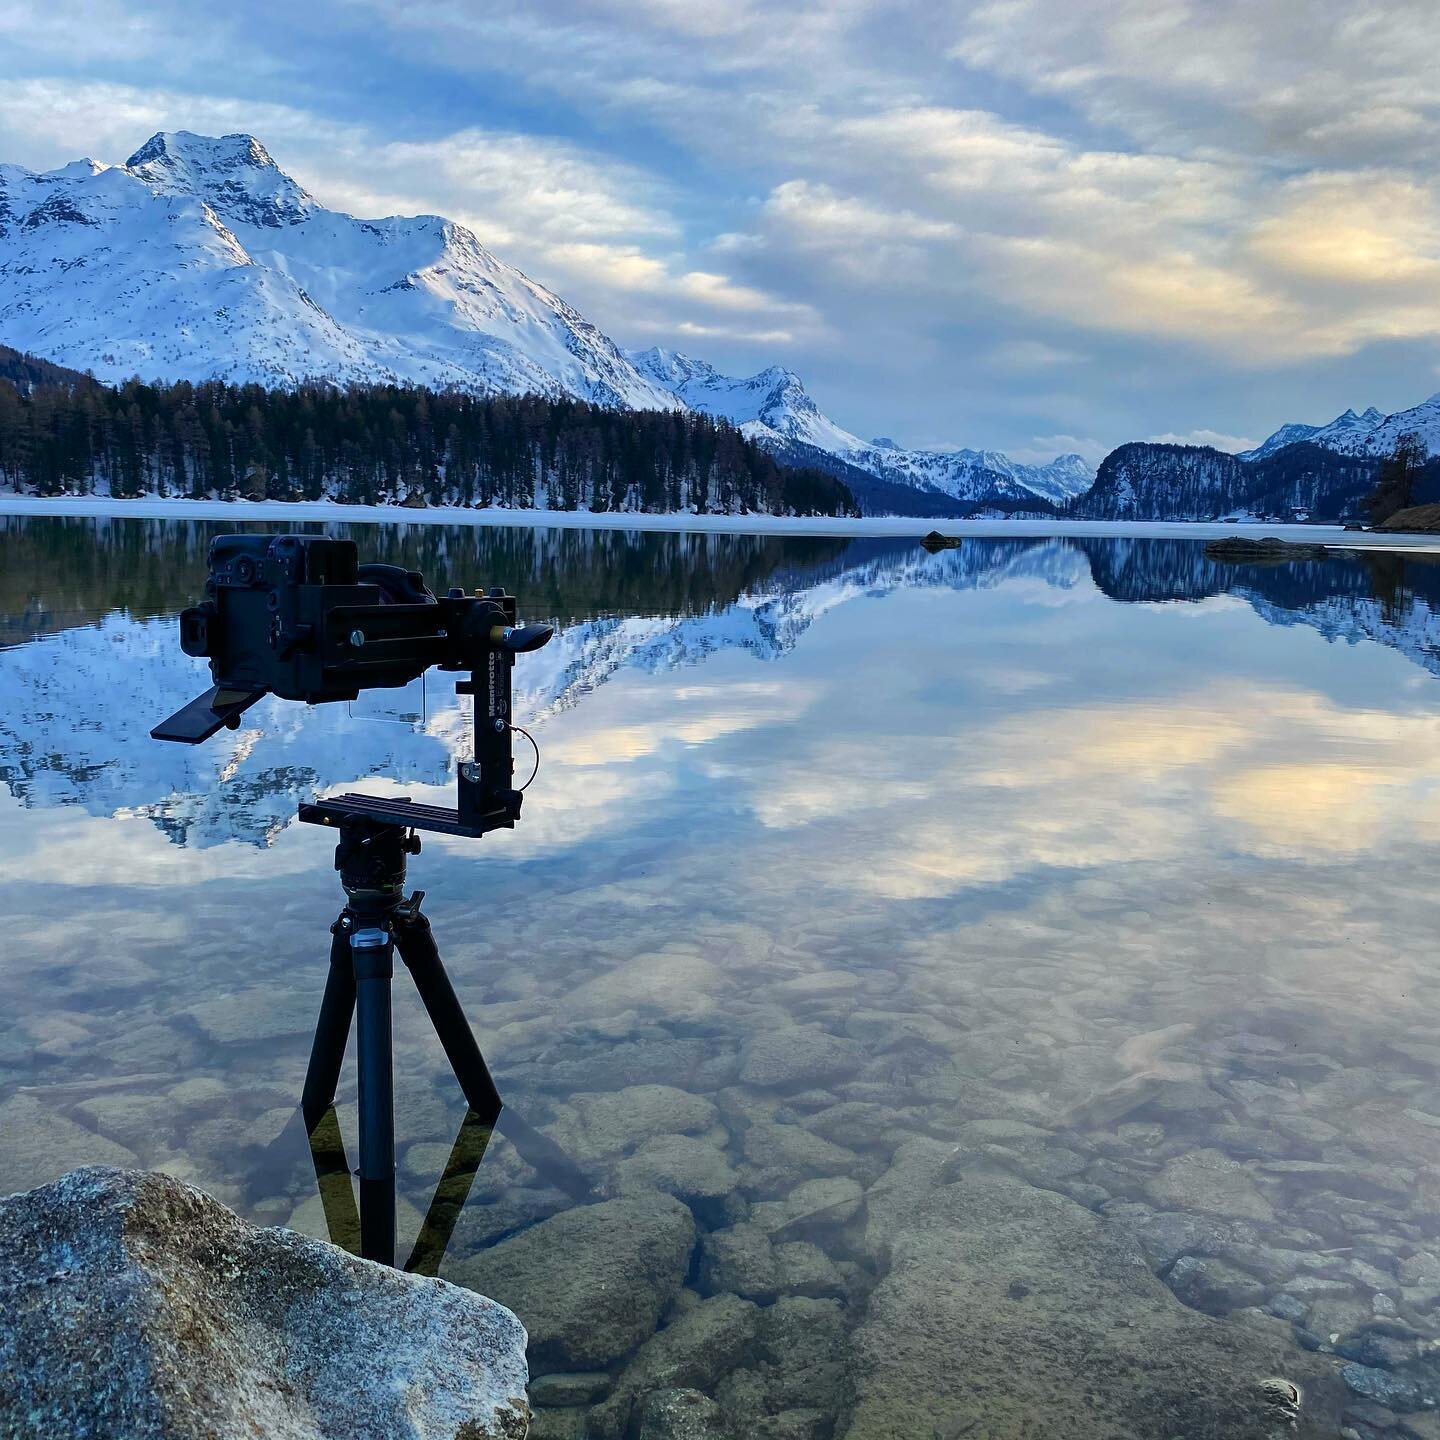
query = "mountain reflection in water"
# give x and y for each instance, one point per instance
(1020, 954)
(89, 655)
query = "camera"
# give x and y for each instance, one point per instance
(299, 617)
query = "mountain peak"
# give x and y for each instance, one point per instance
(780, 375)
(234, 174)
(173, 149)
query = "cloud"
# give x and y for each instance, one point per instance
(596, 229)
(982, 221)
(1163, 778)
(1319, 84)
(1213, 438)
(1373, 230)
(1044, 448)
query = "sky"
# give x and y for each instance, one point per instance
(1031, 225)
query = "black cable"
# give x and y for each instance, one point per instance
(536, 749)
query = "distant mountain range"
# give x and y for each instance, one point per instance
(200, 258)
(1303, 481)
(1371, 433)
(774, 408)
(1315, 472)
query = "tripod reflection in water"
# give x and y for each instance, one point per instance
(335, 1178)
(337, 1194)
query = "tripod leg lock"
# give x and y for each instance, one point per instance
(373, 956)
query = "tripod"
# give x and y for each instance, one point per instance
(375, 923)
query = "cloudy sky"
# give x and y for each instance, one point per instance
(1030, 224)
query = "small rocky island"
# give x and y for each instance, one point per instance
(1268, 550)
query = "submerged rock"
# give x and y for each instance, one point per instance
(590, 1283)
(137, 1306)
(39, 1144)
(693, 1353)
(799, 1055)
(680, 1165)
(1396, 1392)
(1212, 1285)
(1208, 1181)
(591, 1127)
(1091, 1343)
(683, 1415)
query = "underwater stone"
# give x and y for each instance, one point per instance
(1395, 1392)
(1209, 1181)
(683, 1415)
(1091, 1306)
(591, 1127)
(247, 1016)
(138, 1306)
(796, 1056)
(812, 1204)
(591, 1282)
(694, 1352)
(679, 1165)
(1212, 1285)
(740, 1260)
(1287, 1307)
(569, 1388)
(783, 1155)
(40, 1144)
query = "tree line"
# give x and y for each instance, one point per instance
(1408, 476)
(383, 444)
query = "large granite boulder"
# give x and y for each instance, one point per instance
(137, 1306)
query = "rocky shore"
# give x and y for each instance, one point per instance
(851, 1186)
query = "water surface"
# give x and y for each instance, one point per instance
(1089, 874)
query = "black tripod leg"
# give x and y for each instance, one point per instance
(417, 949)
(373, 952)
(332, 1030)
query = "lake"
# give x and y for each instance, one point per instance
(1018, 961)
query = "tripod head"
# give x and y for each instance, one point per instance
(297, 616)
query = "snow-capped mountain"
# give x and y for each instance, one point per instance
(774, 408)
(199, 258)
(967, 474)
(769, 406)
(1370, 433)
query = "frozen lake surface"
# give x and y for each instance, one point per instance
(989, 993)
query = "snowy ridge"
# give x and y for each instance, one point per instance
(199, 258)
(1370, 433)
(773, 407)
(970, 474)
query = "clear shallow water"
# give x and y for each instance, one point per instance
(958, 935)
